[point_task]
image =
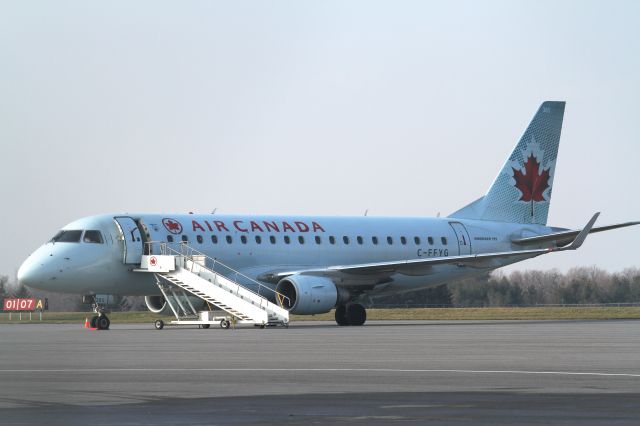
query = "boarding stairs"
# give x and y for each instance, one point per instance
(182, 270)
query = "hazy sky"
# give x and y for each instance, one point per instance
(299, 107)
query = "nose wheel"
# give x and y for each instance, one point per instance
(100, 321)
(103, 322)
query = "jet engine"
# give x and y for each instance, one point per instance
(307, 294)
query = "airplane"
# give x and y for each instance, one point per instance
(322, 263)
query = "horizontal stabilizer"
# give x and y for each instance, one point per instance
(563, 238)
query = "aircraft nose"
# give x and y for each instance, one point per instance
(38, 269)
(29, 273)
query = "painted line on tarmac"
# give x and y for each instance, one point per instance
(310, 370)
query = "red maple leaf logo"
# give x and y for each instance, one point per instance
(172, 226)
(531, 183)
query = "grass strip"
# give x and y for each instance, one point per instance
(442, 314)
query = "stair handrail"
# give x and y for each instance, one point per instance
(188, 251)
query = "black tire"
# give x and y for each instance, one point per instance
(205, 326)
(159, 324)
(103, 322)
(356, 314)
(94, 319)
(225, 324)
(341, 315)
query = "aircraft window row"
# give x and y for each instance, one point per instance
(96, 237)
(75, 236)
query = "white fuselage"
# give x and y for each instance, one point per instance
(262, 245)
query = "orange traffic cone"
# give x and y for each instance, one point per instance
(86, 323)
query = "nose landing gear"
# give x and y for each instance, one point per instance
(100, 321)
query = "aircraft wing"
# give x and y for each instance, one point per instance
(415, 266)
(423, 266)
(563, 238)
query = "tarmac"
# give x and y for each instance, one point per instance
(409, 372)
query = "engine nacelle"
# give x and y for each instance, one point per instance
(157, 304)
(308, 295)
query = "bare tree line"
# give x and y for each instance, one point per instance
(583, 285)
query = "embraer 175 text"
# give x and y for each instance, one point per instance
(258, 269)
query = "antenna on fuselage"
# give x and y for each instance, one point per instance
(366, 211)
(214, 211)
(438, 215)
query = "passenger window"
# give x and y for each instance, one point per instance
(229, 239)
(444, 241)
(301, 239)
(332, 239)
(416, 240)
(403, 240)
(389, 240)
(374, 240)
(258, 239)
(67, 237)
(94, 237)
(185, 238)
(430, 240)
(199, 238)
(318, 239)
(287, 240)
(243, 239)
(170, 238)
(359, 239)
(345, 239)
(214, 239)
(272, 239)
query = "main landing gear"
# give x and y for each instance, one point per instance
(351, 314)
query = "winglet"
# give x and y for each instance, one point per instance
(577, 242)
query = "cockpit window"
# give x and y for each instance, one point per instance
(65, 236)
(93, 237)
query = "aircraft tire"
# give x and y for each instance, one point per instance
(103, 322)
(341, 315)
(94, 319)
(159, 324)
(225, 324)
(356, 314)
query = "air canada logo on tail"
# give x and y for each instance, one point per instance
(532, 183)
(531, 178)
(172, 226)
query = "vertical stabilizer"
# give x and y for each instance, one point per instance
(521, 193)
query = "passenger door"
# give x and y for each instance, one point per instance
(132, 240)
